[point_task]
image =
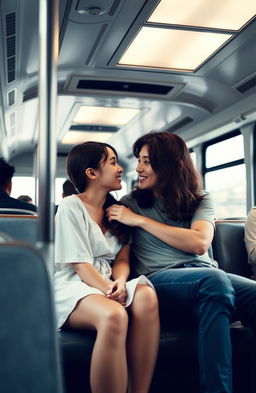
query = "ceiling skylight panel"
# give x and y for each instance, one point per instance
(171, 49)
(75, 137)
(104, 115)
(219, 14)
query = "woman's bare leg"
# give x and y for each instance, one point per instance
(108, 365)
(143, 339)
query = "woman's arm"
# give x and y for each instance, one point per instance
(121, 266)
(92, 277)
(195, 240)
(120, 273)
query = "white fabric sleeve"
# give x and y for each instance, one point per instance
(250, 235)
(72, 243)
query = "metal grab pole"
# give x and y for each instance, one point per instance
(48, 60)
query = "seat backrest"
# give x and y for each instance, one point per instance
(28, 342)
(20, 227)
(229, 247)
(11, 210)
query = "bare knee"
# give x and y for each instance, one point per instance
(113, 321)
(145, 301)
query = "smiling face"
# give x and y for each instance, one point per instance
(109, 174)
(147, 176)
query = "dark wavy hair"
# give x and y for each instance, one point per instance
(178, 182)
(91, 155)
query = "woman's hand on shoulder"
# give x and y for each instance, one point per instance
(124, 215)
(117, 291)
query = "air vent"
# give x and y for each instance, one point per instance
(94, 128)
(79, 84)
(124, 87)
(10, 21)
(249, 84)
(182, 123)
(11, 98)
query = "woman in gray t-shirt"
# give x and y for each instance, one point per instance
(173, 227)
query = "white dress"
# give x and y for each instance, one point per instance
(79, 239)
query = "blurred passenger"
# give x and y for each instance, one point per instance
(25, 198)
(6, 174)
(68, 188)
(250, 239)
(91, 289)
(172, 222)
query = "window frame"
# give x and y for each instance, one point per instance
(215, 168)
(214, 141)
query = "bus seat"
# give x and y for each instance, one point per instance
(10, 210)
(23, 228)
(4, 238)
(28, 345)
(229, 247)
(178, 345)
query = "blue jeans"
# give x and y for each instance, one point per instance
(215, 299)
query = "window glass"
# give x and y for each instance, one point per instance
(228, 190)
(58, 189)
(23, 185)
(226, 151)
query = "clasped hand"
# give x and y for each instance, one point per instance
(117, 291)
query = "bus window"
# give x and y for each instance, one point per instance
(23, 185)
(231, 149)
(58, 189)
(228, 189)
(225, 176)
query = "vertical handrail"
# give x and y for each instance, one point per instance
(48, 59)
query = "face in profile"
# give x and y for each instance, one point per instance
(147, 176)
(110, 172)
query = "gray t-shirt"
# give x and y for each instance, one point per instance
(152, 254)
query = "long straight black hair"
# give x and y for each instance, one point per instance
(178, 182)
(91, 155)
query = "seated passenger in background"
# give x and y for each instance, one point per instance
(250, 239)
(91, 287)
(172, 222)
(68, 189)
(6, 174)
(25, 198)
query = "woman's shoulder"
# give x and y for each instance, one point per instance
(206, 196)
(71, 200)
(127, 199)
(70, 205)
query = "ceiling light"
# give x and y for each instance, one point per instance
(76, 137)
(171, 49)
(104, 115)
(219, 14)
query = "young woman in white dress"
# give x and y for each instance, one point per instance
(91, 287)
